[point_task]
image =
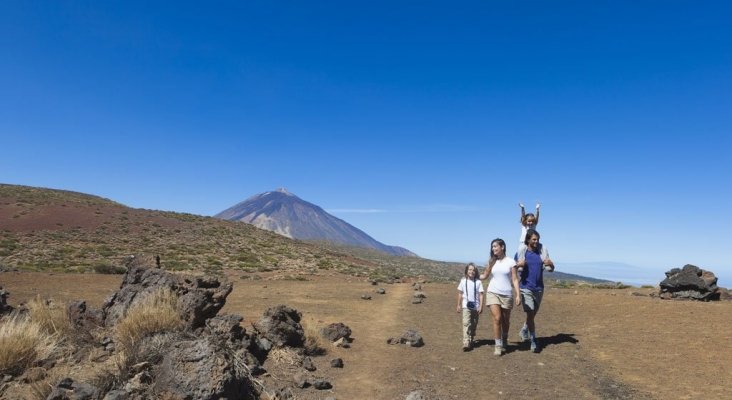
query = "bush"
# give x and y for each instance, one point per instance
(155, 313)
(109, 269)
(22, 343)
(51, 317)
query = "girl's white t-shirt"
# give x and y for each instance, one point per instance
(501, 281)
(470, 289)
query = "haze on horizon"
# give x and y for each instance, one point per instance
(424, 124)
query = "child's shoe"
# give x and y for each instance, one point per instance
(534, 347)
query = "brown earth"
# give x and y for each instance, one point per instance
(596, 344)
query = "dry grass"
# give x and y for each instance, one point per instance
(284, 355)
(22, 343)
(52, 317)
(314, 342)
(153, 314)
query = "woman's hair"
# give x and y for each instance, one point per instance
(468, 266)
(494, 258)
(529, 233)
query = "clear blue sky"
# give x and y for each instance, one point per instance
(422, 123)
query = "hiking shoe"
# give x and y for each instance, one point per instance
(534, 347)
(523, 335)
(498, 350)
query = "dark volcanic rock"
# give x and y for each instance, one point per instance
(336, 331)
(281, 326)
(199, 298)
(4, 307)
(689, 282)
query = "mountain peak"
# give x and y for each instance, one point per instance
(284, 213)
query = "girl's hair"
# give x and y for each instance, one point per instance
(529, 233)
(526, 218)
(468, 266)
(494, 258)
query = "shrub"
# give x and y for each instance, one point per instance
(313, 339)
(109, 269)
(155, 313)
(22, 343)
(51, 317)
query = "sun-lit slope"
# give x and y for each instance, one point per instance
(46, 229)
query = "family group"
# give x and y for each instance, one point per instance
(515, 281)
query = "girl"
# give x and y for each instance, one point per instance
(470, 302)
(528, 221)
(503, 292)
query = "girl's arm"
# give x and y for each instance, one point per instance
(460, 302)
(515, 282)
(537, 213)
(523, 214)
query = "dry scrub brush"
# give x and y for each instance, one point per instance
(22, 343)
(314, 342)
(52, 318)
(155, 313)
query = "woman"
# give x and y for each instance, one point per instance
(503, 292)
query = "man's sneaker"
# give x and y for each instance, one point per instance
(534, 347)
(523, 334)
(498, 350)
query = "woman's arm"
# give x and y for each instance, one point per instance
(487, 272)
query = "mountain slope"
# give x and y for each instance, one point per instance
(57, 230)
(282, 212)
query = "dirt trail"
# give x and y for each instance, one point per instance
(597, 344)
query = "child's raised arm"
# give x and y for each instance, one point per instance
(523, 214)
(538, 205)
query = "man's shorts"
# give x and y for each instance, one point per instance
(531, 299)
(506, 302)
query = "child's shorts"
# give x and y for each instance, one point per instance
(506, 302)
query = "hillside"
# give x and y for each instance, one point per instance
(56, 230)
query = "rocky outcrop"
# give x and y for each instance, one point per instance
(689, 282)
(204, 368)
(4, 307)
(199, 298)
(281, 326)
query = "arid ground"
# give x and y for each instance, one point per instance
(596, 343)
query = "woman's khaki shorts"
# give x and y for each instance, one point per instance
(505, 302)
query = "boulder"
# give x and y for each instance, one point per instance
(199, 298)
(281, 326)
(410, 337)
(689, 282)
(83, 317)
(67, 389)
(336, 331)
(203, 369)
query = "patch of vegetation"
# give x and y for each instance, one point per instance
(109, 269)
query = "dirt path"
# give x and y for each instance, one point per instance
(597, 344)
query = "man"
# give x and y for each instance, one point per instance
(531, 283)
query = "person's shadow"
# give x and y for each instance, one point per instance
(526, 346)
(544, 342)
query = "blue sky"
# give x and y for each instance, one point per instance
(421, 123)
